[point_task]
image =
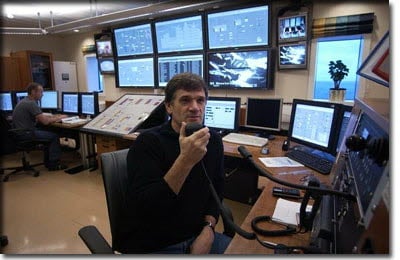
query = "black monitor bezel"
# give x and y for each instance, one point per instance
(331, 148)
(62, 102)
(251, 126)
(237, 101)
(96, 103)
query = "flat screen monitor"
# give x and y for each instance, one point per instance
(106, 65)
(19, 95)
(104, 48)
(70, 102)
(49, 100)
(136, 72)
(264, 114)
(171, 65)
(292, 28)
(6, 101)
(293, 56)
(244, 69)
(222, 114)
(314, 124)
(89, 103)
(182, 34)
(345, 115)
(133, 40)
(239, 28)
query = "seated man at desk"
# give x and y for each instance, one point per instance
(27, 114)
(170, 207)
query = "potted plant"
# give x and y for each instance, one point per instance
(338, 71)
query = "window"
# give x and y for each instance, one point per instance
(345, 48)
(94, 79)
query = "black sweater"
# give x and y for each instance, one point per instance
(157, 217)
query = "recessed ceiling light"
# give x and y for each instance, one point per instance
(76, 30)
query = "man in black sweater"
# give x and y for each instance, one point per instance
(170, 206)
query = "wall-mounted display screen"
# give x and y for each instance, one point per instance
(104, 48)
(292, 28)
(106, 65)
(133, 40)
(138, 72)
(293, 56)
(237, 28)
(181, 34)
(240, 69)
(169, 66)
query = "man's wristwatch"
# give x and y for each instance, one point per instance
(208, 223)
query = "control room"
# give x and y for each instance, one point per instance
(272, 118)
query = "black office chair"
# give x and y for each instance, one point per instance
(25, 147)
(114, 171)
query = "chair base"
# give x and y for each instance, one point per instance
(26, 167)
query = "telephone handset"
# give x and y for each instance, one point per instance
(307, 218)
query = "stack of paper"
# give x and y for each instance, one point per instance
(287, 212)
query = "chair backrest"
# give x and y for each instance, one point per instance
(114, 171)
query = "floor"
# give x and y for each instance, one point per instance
(42, 215)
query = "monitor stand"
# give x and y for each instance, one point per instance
(266, 135)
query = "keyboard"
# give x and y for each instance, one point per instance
(245, 139)
(310, 160)
(73, 120)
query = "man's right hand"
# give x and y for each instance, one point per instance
(193, 147)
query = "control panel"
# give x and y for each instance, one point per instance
(361, 225)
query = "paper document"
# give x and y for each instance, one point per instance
(279, 162)
(287, 212)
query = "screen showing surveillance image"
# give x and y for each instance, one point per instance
(294, 54)
(292, 27)
(243, 69)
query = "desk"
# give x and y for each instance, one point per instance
(265, 204)
(86, 144)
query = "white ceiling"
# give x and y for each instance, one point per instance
(61, 17)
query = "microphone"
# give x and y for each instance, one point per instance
(190, 129)
(323, 191)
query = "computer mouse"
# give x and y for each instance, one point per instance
(285, 145)
(264, 150)
(271, 137)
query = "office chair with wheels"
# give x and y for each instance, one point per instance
(114, 171)
(25, 147)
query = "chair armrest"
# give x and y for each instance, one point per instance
(228, 230)
(94, 240)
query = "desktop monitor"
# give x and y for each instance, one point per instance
(222, 114)
(314, 124)
(264, 114)
(171, 65)
(345, 115)
(19, 95)
(70, 102)
(6, 101)
(241, 69)
(49, 100)
(89, 103)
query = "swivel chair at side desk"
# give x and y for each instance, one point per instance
(25, 147)
(114, 171)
